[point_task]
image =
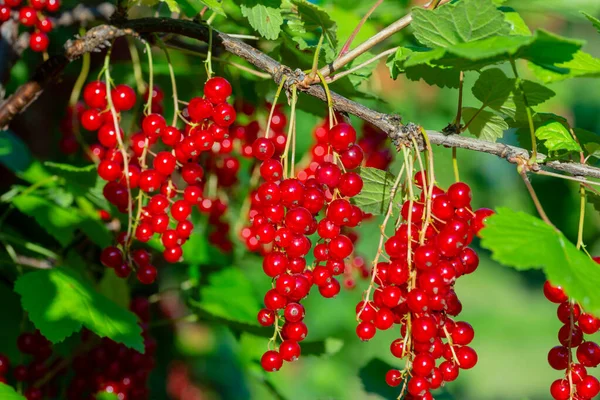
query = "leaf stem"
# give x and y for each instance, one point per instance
(464, 128)
(208, 61)
(348, 43)
(272, 111)
(315, 64)
(329, 99)
(519, 82)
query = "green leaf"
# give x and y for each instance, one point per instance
(524, 242)
(172, 4)
(593, 20)
(230, 295)
(12, 316)
(465, 21)
(484, 124)
(106, 396)
(79, 180)
(556, 137)
(60, 302)
(115, 289)
(516, 22)
(312, 18)
(14, 153)
(493, 88)
(375, 195)
(372, 377)
(442, 77)
(536, 94)
(593, 199)
(416, 63)
(583, 65)
(592, 149)
(8, 393)
(264, 16)
(191, 8)
(395, 62)
(59, 222)
(363, 73)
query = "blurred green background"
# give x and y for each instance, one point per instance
(515, 325)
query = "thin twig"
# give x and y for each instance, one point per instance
(536, 200)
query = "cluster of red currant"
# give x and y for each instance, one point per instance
(160, 207)
(105, 367)
(283, 216)
(32, 16)
(576, 384)
(113, 368)
(415, 289)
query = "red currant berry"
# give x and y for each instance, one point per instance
(38, 41)
(146, 274)
(94, 95)
(123, 97)
(393, 377)
(217, 89)
(271, 361)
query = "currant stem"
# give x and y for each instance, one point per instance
(150, 79)
(455, 165)
(113, 111)
(536, 200)
(290, 133)
(173, 82)
(329, 100)
(277, 93)
(137, 66)
(208, 62)
(582, 198)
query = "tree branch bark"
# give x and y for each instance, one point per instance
(101, 36)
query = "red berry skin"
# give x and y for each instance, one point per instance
(559, 390)
(393, 377)
(27, 16)
(44, 25)
(558, 357)
(289, 350)
(217, 89)
(4, 365)
(588, 323)
(38, 42)
(91, 120)
(589, 387)
(449, 371)
(423, 365)
(588, 354)
(418, 386)
(555, 294)
(146, 274)
(4, 13)
(111, 257)
(271, 361)
(296, 331)
(353, 157)
(366, 331)
(467, 357)
(123, 97)
(153, 124)
(266, 317)
(459, 194)
(462, 334)
(397, 348)
(350, 184)
(565, 310)
(224, 115)
(52, 5)
(479, 220)
(200, 109)
(570, 337)
(342, 136)
(94, 95)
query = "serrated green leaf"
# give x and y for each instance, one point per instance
(60, 302)
(493, 88)
(595, 21)
(592, 149)
(14, 153)
(8, 393)
(115, 289)
(375, 195)
(230, 295)
(586, 138)
(60, 223)
(191, 8)
(516, 22)
(172, 4)
(583, 65)
(556, 137)
(79, 180)
(395, 62)
(371, 378)
(442, 77)
(264, 16)
(465, 21)
(524, 242)
(312, 18)
(536, 93)
(484, 124)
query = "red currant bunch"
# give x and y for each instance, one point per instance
(576, 384)
(32, 17)
(285, 212)
(159, 196)
(415, 288)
